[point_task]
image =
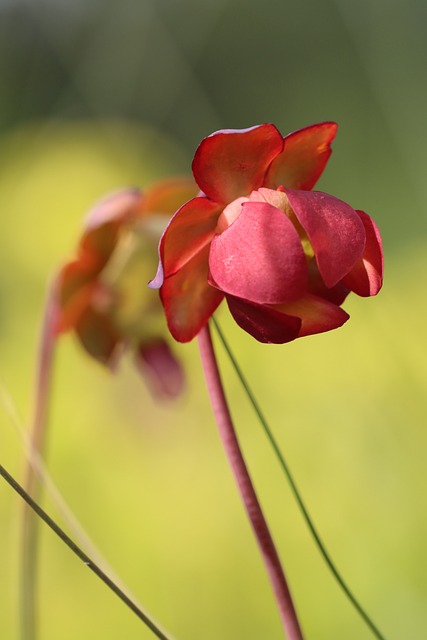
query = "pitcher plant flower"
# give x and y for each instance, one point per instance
(99, 293)
(284, 256)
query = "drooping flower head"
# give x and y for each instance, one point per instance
(101, 295)
(283, 256)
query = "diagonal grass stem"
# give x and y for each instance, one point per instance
(81, 537)
(82, 555)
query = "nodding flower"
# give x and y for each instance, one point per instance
(101, 294)
(282, 255)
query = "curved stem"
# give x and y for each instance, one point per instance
(245, 486)
(297, 495)
(30, 527)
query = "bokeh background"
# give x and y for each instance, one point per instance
(101, 94)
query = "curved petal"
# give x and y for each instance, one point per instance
(366, 278)
(98, 337)
(160, 368)
(259, 257)
(190, 230)
(317, 315)
(98, 244)
(75, 285)
(231, 163)
(334, 229)
(116, 207)
(188, 299)
(167, 196)
(303, 159)
(336, 294)
(104, 222)
(264, 323)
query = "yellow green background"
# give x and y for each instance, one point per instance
(99, 96)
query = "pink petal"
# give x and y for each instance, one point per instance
(265, 324)
(190, 230)
(188, 299)
(116, 207)
(104, 222)
(317, 315)
(160, 368)
(259, 257)
(303, 159)
(231, 163)
(334, 229)
(366, 278)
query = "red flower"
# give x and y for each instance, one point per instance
(99, 294)
(284, 257)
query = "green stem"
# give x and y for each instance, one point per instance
(81, 554)
(327, 558)
(245, 486)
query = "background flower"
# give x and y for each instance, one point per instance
(102, 294)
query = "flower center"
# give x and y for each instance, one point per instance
(230, 213)
(276, 198)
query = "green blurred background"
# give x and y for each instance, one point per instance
(97, 95)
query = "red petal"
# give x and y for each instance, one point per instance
(366, 278)
(317, 315)
(334, 229)
(161, 370)
(98, 244)
(98, 337)
(188, 299)
(190, 230)
(75, 286)
(336, 294)
(265, 324)
(303, 159)
(231, 163)
(259, 257)
(168, 196)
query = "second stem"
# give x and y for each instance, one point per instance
(250, 500)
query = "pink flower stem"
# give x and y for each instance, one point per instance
(37, 444)
(245, 486)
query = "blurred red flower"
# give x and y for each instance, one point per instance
(101, 294)
(285, 257)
